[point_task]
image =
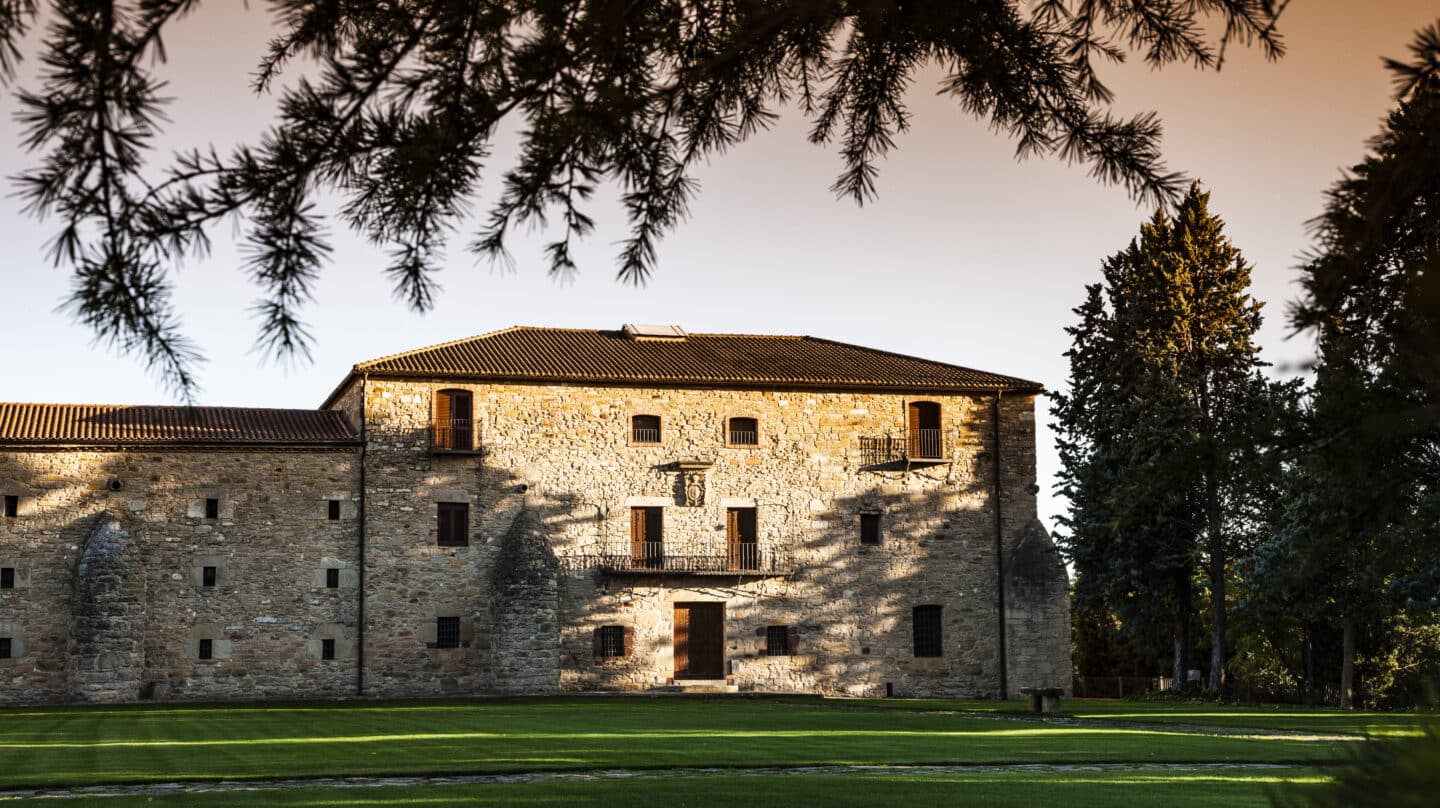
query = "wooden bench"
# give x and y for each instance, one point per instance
(1044, 699)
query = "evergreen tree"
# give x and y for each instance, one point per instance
(1165, 421)
(397, 109)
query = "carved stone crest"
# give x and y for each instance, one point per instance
(692, 481)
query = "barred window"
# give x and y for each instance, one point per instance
(206, 649)
(4, 647)
(870, 527)
(7, 578)
(780, 640)
(744, 432)
(327, 649)
(447, 632)
(454, 524)
(927, 632)
(645, 429)
(610, 642)
(207, 576)
(332, 578)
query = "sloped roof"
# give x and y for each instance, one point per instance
(108, 424)
(524, 353)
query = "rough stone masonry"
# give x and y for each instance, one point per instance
(540, 510)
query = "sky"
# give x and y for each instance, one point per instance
(967, 256)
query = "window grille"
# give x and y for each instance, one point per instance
(779, 640)
(327, 649)
(611, 643)
(332, 578)
(447, 632)
(206, 649)
(334, 510)
(744, 432)
(454, 524)
(207, 576)
(7, 578)
(927, 632)
(645, 429)
(870, 528)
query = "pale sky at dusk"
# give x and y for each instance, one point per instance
(967, 257)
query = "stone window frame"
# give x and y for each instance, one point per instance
(349, 577)
(11, 630)
(197, 572)
(726, 430)
(429, 631)
(20, 577)
(221, 647)
(335, 633)
(659, 430)
(224, 506)
(927, 630)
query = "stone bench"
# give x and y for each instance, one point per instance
(1044, 699)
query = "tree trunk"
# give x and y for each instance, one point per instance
(1347, 666)
(1217, 584)
(1180, 628)
(1309, 665)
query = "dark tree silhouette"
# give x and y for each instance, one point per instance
(405, 97)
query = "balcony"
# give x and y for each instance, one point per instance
(917, 447)
(655, 558)
(453, 436)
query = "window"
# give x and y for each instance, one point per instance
(4, 647)
(454, 524)
(870, 527)
(926, 630)
(647, 538)
(612, 642)
(334, 510)
(741, 539)
(744, 432)
(453, 429)
(925, 442)
(7, 578)
(781, 640)
(212, 508)
(12, 506)
(207, 576)
(645, 429)
(447, 632)
(332, 578)
(206, 649)
(327, 649)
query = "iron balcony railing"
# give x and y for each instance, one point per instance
(644, 435)
(918, 444)
(453, 435)
(652, 557)
(744, 437)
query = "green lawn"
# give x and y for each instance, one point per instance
(1171, 789)
(71, 746)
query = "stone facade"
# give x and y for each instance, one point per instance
(111, 550)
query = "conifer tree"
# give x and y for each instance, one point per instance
(1165, 421)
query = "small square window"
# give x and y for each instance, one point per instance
(207, 649)
(332, 578)
(207, 576)
(327, 649)
(212, 508)
(453, 524)
(447, 632)
(744, 432)
(4, 647)
(334, 510)
(779, 640)
(870, 527)
(645, 429)
(7, 577)
(609, 642)
(12, 506)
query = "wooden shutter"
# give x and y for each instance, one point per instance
(792, 639)
(629, 641)
(443, 409)
(637, 533)
(597, 645)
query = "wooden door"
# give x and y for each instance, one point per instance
(699, 641)
(647, 539)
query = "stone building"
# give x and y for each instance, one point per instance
(540, 510)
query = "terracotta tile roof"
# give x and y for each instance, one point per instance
(732, 360)
(104, 425)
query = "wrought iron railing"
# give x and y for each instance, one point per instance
(918, 444)
(645, 435)
(453, 435)
(740, 557)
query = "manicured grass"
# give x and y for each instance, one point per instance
(1079, 789)
(115, 745)
(1269, 716)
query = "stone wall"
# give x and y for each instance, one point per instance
(113, 546)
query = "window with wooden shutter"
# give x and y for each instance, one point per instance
(647, 537)
(742, 538)
(926, 630)
(453, 429)
(924, 440)
(452, 524)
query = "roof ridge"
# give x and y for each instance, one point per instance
(899, 355)
(360, 366)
